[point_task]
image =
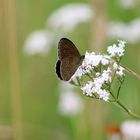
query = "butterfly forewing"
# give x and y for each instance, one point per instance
(66, 48)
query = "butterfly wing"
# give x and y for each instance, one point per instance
(68, 67)
(58, 64)
(67, 49)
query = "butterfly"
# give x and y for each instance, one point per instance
(69, 59)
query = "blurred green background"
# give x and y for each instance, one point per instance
(29, 87)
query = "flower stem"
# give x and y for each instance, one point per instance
(118, 102)
(131, 72)
(127, 110)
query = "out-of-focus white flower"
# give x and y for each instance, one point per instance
(63, 86)
(66, 18)
(38, 42)
(131, 130)
(127, 3)
(129, 32)
(69, 102)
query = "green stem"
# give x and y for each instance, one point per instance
(121, 82)
(127, 110)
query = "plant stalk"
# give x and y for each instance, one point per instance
(131, 71)
(127, 110)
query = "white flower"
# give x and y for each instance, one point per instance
(120, 71)
(87, 88)
(38, 42)
(116, 50)
(104, 61)
(131, 130)
(121, 43)
(106, 75)
(64, 86)
(115, 66)
(103, 94)
(129, 32)
(79, 72)
(70, 104)
(127, 3)
(95, 86)
(112, 49)
(91, 60)
(98, 74)
(69, 16)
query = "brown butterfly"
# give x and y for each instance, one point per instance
(69, 59)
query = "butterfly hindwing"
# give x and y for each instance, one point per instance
(58, 64)
(68, 67)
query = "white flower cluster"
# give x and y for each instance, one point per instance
(100, 69)
(117, 50)
(96, 85)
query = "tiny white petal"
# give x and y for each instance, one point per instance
(120, 71)
(79, 72)
(98, 74)
(87, 88)
(105, 61)
(121, 43)
(103, 94)
(115, 66)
